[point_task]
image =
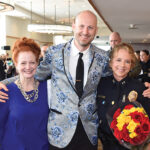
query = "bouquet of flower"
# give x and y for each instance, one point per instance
(130, 124)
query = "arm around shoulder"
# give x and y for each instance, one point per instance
(146, 93)
(45, 67)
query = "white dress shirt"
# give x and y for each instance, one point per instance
(74, 55)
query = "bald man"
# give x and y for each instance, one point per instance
(114, 39)
(73, 118)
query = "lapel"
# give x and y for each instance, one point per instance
(92, 53)
(93, 73)
(66, 54)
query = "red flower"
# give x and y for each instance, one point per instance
(113, 124)
(138, 130)
(138, 140)
(137, 116)
(145, 127)
(125, 134)
(128, 106)
(142, 138)
(117, 113)
(117, 134)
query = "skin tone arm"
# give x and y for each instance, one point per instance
(146, 93)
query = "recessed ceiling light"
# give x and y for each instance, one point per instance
(145, 40)
(132, 26)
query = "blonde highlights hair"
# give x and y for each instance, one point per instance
(126, 47)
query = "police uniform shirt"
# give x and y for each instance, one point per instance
(109, 93)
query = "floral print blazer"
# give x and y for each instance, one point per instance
(65, 105)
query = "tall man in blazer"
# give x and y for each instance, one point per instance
(73, 120)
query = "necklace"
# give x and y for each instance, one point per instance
(33, 95)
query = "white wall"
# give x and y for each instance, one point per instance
(2, 33)
(16, 28)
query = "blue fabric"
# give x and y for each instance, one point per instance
(23, 125)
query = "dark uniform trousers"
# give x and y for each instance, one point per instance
(79, 141)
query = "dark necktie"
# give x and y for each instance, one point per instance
(79, 75)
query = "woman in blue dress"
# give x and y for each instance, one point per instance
(24, 116)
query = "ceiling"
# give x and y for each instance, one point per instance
(128, 17)
(57, 12)
(113, 15)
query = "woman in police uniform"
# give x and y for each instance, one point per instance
(117, 88)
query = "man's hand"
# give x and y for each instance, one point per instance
(146, 93)
(3, 96)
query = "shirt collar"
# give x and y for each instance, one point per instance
(75, 51)
(122, 82)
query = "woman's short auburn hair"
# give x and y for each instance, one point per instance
(24, 45)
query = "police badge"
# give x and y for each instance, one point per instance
(132, 96)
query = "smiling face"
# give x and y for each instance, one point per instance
(26, 64)
(143, 56)
(85, 29)
(121, 64)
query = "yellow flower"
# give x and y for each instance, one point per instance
(120, 125)
(126, 111)
(127, 119)
(133, 109)
(132, 125)
(121, 120)
(138, 109)
(132, 135)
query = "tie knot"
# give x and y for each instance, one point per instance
(80, 55)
